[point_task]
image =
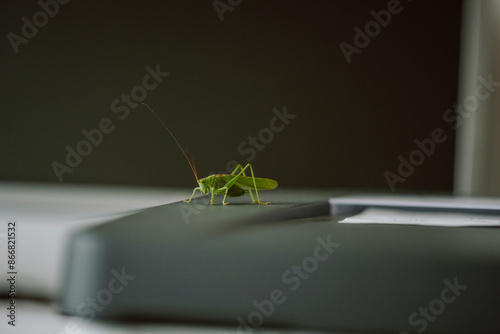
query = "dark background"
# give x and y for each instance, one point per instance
(353, 120)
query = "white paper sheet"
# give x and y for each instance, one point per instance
(417, 210)
(404, 217)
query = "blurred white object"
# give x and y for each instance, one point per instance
(46, 215)
(477, 161)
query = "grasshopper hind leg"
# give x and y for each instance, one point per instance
(255, 185)
(242, 172)
(251, 195)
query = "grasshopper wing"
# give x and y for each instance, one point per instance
(246, 182)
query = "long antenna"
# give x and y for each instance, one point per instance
(193, 168)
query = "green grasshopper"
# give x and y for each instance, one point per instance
(232, 185)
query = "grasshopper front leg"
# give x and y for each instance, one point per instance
(194, 191)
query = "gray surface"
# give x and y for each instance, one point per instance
(213, 269)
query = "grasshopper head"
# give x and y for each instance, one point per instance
(203, 186)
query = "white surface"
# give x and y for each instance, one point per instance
(41, 318)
